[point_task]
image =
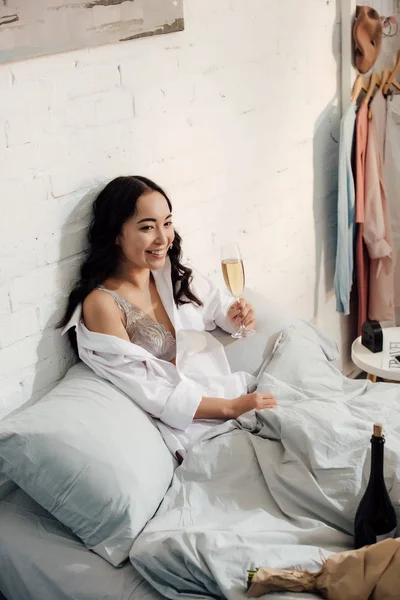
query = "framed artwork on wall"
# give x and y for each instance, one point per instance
(36, 27)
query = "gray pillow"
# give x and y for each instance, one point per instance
(92, 458)
(250, 354)
(302, 357)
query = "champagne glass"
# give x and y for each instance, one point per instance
(233, 272)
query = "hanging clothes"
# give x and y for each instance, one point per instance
(362, 257)
(392, 181)
(346, 213)
(377, 234)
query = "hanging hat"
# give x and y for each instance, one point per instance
(367, 33)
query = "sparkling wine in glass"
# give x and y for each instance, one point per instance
(233, 272)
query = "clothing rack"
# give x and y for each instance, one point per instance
(368, 245)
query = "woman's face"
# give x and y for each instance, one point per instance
(146, 237)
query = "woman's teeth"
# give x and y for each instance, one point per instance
(156, 252)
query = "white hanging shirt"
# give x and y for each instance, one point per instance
(171, 393)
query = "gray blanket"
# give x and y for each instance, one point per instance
(277, 488)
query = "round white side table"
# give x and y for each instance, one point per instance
(371, 362)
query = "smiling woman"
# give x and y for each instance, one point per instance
(130, 237)
(142, 244)
(138, 317)
(148, 235)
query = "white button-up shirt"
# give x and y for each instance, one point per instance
(170, 393)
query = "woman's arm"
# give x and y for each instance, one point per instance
(220, 308)
(220, 408)
(164, 395)
(101, 314)
(174, 401)
(214, 408)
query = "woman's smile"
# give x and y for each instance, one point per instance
(157, 254)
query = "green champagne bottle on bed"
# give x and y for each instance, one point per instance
(375, 517)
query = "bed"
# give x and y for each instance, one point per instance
(275, 489)
(40, 558)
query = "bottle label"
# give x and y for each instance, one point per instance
(385, 536)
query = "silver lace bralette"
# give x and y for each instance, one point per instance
(144, 331)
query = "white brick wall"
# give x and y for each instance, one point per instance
(18, 326)
(236, 117)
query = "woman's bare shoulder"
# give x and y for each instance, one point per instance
(99, 301)
(102, 314)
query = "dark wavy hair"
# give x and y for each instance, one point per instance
(115, 204)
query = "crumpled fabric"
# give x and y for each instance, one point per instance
(370, 573)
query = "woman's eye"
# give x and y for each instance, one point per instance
(149, 227)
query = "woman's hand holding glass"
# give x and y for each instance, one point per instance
(241, 313)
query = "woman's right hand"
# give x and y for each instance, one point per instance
(256, 400)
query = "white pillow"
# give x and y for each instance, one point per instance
(92, 458)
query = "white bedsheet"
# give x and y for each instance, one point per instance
(40, 559)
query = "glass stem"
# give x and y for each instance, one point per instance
(241, 326)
